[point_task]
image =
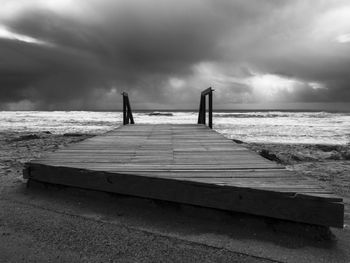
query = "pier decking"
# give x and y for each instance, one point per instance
(189, 164)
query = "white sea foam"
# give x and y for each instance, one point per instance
(268, 127)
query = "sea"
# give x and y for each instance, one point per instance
(248, 126)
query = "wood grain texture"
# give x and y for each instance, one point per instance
(189, 164)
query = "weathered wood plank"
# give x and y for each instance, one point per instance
(189, 164)
(254, 201)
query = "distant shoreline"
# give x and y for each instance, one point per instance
(185, 110)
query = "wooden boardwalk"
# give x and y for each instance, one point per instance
(189, 164)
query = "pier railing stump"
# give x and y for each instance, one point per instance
(127, 113)
(202, 108)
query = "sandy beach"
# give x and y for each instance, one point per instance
(46, 223)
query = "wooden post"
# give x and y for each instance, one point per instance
(130, 117)
(199, 111)
(127, 113)
(211, 109)
(202, 107)
(124, 111)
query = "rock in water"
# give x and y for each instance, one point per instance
(157, 113)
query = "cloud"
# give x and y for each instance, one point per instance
(6, 34)
(344, 38)
(81, 54)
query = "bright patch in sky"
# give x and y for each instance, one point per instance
(5, 33)
(268, 86)
(10, 8)
(61, 4)
(345, 38)
(176, 83)
(334, 24)
(316, 85)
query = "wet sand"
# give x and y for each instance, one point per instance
(42, 223)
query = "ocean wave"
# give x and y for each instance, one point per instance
(254, 126)
(247, 115)
(278, 114)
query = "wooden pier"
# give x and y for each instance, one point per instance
(190, 164)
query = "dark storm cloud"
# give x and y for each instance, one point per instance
(91, 50)
(129, 46)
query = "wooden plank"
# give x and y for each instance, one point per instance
(253, 201)
(151, 166)
(188, 164)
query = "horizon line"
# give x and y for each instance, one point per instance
(193, 110)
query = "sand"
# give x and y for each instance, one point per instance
(43, 223)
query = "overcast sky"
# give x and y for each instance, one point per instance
(80, 54)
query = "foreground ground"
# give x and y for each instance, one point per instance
(45, 223)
